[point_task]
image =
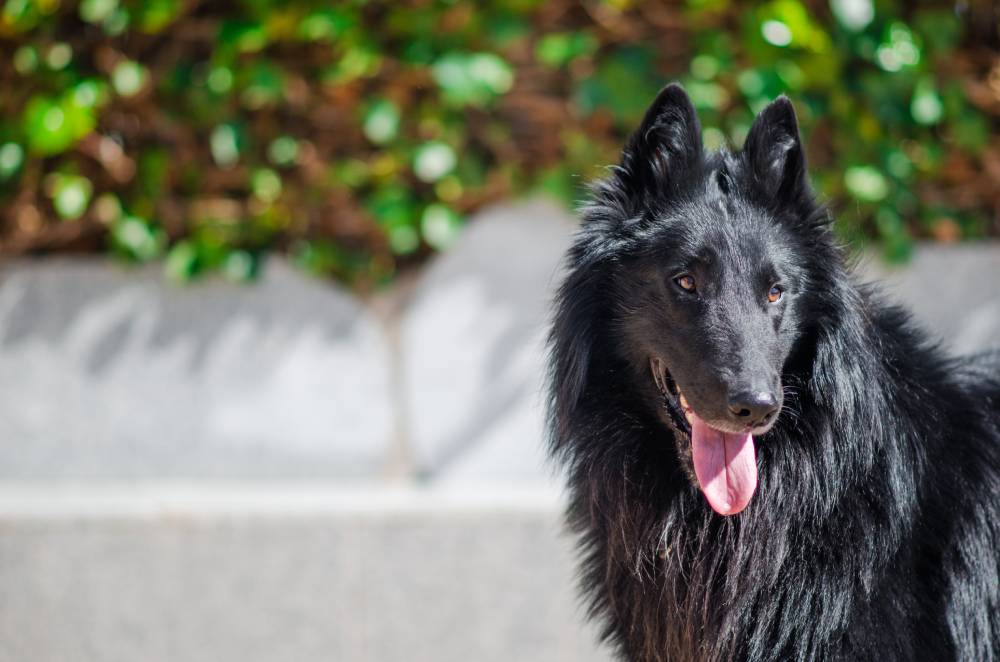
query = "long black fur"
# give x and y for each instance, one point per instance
(873, 534)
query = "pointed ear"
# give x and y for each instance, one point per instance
(773, 152)
(667, 145)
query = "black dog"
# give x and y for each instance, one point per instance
(765, 462)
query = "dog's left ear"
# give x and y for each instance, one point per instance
(773, 152)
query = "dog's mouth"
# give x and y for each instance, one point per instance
(676, 405)
(725, 463)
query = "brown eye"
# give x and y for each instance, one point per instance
(685, 282)
(774, 294)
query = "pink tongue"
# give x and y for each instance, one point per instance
(726, 466)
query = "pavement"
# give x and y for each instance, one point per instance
(284, 472)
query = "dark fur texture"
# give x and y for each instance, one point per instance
(873, 534)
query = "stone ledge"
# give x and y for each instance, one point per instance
(162, 573)
(199, 500)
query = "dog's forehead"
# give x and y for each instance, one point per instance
(721, 223)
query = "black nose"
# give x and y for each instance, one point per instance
(753, 408)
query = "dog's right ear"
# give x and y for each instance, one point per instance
(667, 145)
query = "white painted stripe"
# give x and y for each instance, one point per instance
(30, 500)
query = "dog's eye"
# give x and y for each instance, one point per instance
(685, 282)
(774, 294)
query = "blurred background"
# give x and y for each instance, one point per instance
(274, 279)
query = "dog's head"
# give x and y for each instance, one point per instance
(710, 297)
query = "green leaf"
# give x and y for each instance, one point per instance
(21, 15)
(559, 48)
(899, 48)
(855, 15)
(283, 151)
(263, 85)
(396, 213)
(266, 185)
(220, 79)
(866, 183)
(97, 11)
(117, 22)
(129, 77)
(224, 144)
(751, 83)
(326, 25)
(776, 33)
(391, 205)
(707, 95)
(359, 61)
(788, 23)
(440, 226)
(898, 164)
(352, 173)
(11, 159)
(704, 67)
(26, 60)
(182, 262)
(71, 195)
(243, 36)
(59, 56)
(926, 106)
(240, 266)
(472, 79)
(54, 125)
(154, 16)
(403, 239)
(433, 160)
(137, 238)
(89, 93)
(381, 121)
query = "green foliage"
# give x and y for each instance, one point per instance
(358, 136)
(881, 119)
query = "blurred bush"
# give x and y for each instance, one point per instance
(357, 136)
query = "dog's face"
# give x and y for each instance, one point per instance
(716, 312)
(709, 299)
